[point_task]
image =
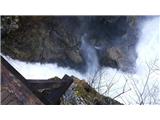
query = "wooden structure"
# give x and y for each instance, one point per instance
(15, 89)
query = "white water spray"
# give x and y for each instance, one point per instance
(41, 71)
(148, 49)
(145, 83)
(91, 59)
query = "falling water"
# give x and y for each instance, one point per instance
(148, 48)
(146, 80)
(113, 80)
(90, 56)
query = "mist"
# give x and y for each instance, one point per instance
(147, 74)
(90, 56)
(40, 71)
(148, 51)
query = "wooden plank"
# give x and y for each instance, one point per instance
(16, 84)
(32, 91)
(50, 91)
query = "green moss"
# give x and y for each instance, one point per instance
(88, 94)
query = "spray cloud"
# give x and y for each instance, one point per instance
(148, 48)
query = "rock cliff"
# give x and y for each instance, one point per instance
(57, 39)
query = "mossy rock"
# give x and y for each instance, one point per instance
(81, 93)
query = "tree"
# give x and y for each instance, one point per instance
(143, 90)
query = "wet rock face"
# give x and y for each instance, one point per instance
(58, 39)
(9, 24)
(43, 39)
(119, 33)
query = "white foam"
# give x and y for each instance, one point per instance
(40, 71)
(148, 48)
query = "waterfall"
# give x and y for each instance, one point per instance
(90, 56)
(113, 80)
(148, 48)
(146, 80)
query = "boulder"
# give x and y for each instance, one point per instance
(81, 93)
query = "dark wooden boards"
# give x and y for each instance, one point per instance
(15, 89)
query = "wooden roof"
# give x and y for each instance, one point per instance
(15, 89)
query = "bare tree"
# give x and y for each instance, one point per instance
(145, 93)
